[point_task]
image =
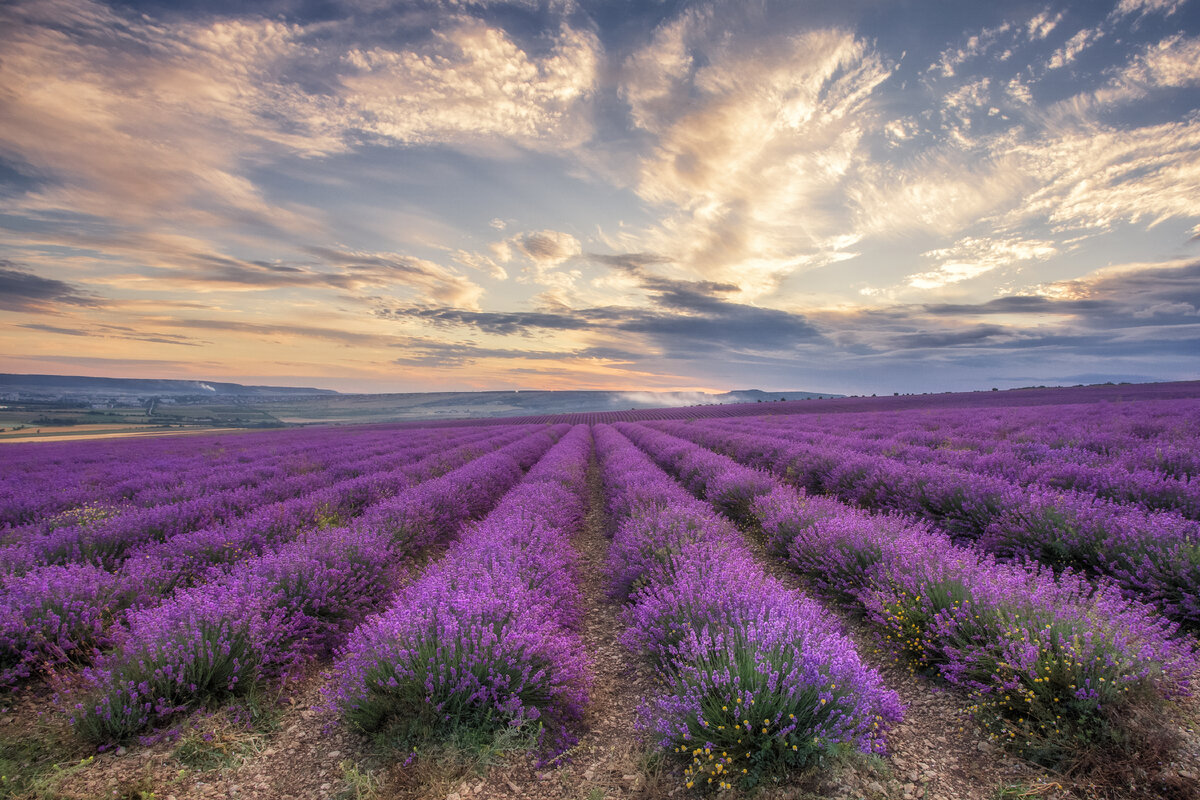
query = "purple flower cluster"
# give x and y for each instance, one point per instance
(51, 617)
(1142, 454)
(50, 481)
(757, 679)
(33, 608)
(1153, 556)
(1056, 664)
(1053, 661)
(272, 614)
(104, 535)
(726, 485)
(436, 508)
(484, 641)
(156, 569)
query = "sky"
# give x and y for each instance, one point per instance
(859, 197)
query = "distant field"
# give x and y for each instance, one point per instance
(109, 431)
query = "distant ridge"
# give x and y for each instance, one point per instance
(83, 386)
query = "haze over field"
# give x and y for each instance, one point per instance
(619, 195)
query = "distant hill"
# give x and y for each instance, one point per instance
(431, 406)
(68, 386)
(218, 403)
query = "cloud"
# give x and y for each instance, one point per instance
(1042, 24)
(157, 137)
(548, 248)
(480, 262)
(548, 253)
(495, 322)
(33, 326)
(971, 257)
(974, 46)
(144, 122)
(114, 332)
(472, 81)
(286, 330)
(944, 339)
(941, 191)
(1137, 296)
(1092, 177)
(685, 319)
(1144, 7)
(154, 367)
(24, 291)
(1049, 175)
(1173, 62)
(432, 281)
(754, 132)
(434, 353)
(1081, 41)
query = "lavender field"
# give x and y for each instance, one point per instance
(942, 596)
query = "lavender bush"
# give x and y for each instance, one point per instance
(483, 642)
(264, 621)
(757, 679)
(53, 617)
(1057, 666)
(1152, 556)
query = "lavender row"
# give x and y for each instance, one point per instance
(57, 477)
(757, 679)
(1160, 437)
(160, 567)
(274, 614)
(141, 473)
(1054, 665)
(105, 542)
(335, 460)
(57, 615)
(1024, 463)
(485, 641)
(1152, 556)
(1056, 668)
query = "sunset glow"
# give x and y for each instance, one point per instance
(855, 197)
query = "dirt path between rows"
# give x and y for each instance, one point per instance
(608, 760)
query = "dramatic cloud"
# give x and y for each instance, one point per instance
(755, 133)
(712, 194)
(971, 257)
(24, 291)
(471, 82)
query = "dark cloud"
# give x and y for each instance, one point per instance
(338, 269)
(696, 296)
(1132, 322)
(301, 331)
(432, 353)
(1015, 304)
(24, 291)
(114, 332)
(161, 366)
(1148, 297)
(539, 246)
(629, 262)
(953, 338)
(33, 326)
(496, 322)
(687, 320)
